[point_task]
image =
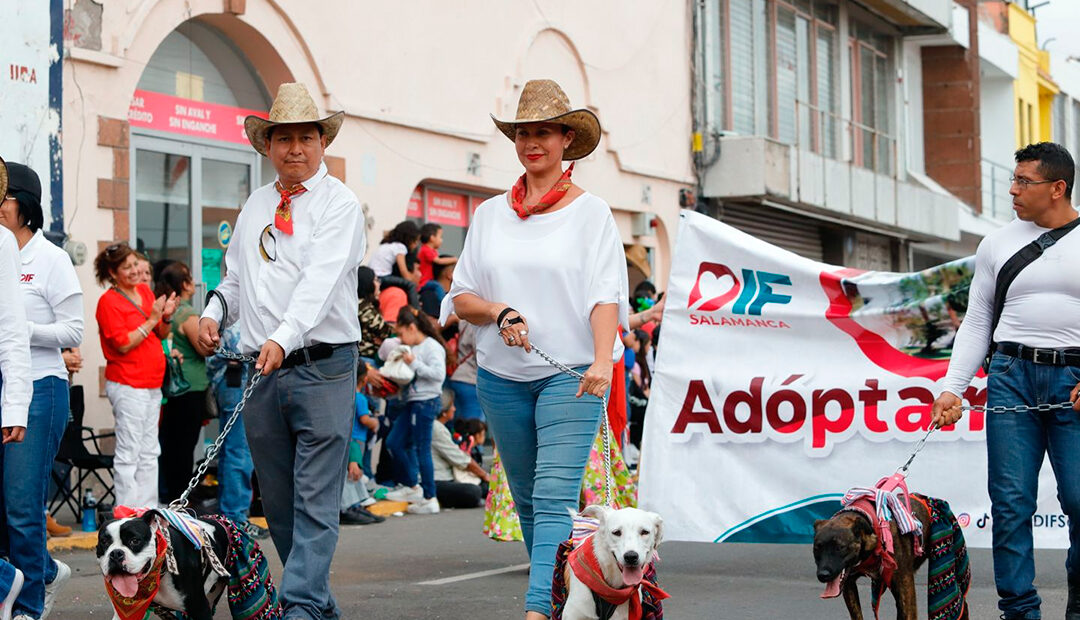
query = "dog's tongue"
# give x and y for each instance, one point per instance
(832, 589)
(631, 575)
(126, 585)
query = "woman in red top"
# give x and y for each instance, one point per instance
(131, 323)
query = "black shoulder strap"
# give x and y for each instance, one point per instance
(1012, 268)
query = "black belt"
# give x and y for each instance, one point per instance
(1048, 357)
(310, 354)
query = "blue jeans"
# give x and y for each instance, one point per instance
(544, 435)
(234, 460)
(410, 444)
(1016, 444)
(26, 467)
(466, 401)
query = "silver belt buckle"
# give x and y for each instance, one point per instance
(1045, 356)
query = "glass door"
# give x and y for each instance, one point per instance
(187, 197)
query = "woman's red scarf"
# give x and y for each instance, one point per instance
(586, 568)
(553, 196)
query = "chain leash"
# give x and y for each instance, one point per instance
(604, 428)
(1040, 408)
(182, 502)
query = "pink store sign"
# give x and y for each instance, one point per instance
(187, 117)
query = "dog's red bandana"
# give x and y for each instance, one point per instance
(585, 566)
(135, 606)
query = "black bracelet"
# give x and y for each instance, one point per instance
(502, 315)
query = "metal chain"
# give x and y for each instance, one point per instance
(605, 428)
(182, 502)
(1041, 408)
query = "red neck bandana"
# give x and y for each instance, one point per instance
(135, 607)
(554, 195)
(583, 562)
(283, 214)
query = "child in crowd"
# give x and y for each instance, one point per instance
(430, 242)
(460, 482)
(354, 497)
(410, 435)
(388, 261)
(470, 434)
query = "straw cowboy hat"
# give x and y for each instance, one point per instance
(3, 179)
(638, 256)
(292, 106)
(543, 101)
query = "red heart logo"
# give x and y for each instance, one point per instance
(714, 301)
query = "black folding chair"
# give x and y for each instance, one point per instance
(75, 456)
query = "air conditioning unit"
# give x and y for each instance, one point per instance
(642, 224)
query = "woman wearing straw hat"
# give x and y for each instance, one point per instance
(544, 263)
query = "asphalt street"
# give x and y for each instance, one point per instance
(442, 566)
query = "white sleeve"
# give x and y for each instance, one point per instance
(607, 282)
(67, 329)
(14, 343)
(973, 337)
(466, 271)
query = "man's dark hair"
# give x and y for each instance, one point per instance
(437, 269)
(1055, 163)
(429, 230)
(270, 130)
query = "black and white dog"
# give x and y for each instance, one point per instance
(131, 555)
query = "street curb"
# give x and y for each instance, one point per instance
(77, 541)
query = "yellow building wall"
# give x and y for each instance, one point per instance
(1033, 88)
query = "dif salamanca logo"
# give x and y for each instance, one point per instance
(747, 292)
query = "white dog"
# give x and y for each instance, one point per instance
(623, 545)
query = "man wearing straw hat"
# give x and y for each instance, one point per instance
(291, 286)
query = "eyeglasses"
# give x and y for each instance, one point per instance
(1025, 183)
(268, 244)
(114, 248)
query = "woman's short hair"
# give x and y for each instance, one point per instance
(446, 400)
(109, 260)
(172, 279)
(365, 283)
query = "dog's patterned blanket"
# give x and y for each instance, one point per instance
(950, 573)
(651, 607)
(252, 595)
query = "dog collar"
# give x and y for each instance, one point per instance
(135, 607)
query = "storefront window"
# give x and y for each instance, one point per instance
(163, 202)
(450, 208)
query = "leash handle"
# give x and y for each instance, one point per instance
(605, 427)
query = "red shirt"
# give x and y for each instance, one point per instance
(427, 256)
(143, 366)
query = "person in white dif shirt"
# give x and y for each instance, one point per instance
(52, 299)
(290, 284)
(1036, 360)
(543, 263)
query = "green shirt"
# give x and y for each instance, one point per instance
(194, 366)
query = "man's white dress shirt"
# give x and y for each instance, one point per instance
(304, 291)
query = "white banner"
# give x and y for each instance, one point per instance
(782, 382)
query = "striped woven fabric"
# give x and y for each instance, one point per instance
(950, 574)
(890, 506)
(252, 595)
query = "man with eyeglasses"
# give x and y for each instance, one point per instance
(1036, 360)
(290, 285)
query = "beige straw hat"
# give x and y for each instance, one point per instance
(543, 101)
(3, 179)
(638, 256)
(292, 106)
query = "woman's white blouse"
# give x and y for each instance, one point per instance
(553, 268)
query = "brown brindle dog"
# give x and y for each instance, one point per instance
(846, 548)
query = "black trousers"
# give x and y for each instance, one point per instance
(453, 494)
(181, 420)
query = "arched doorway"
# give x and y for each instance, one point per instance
(191, 165)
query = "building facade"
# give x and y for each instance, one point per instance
(155, 94)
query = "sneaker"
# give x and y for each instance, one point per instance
(424, 507)
(406, 494)
(352, 517)
(370, 501)
(9, 600)
(63, 574)
(254, 531)
(366, 513)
